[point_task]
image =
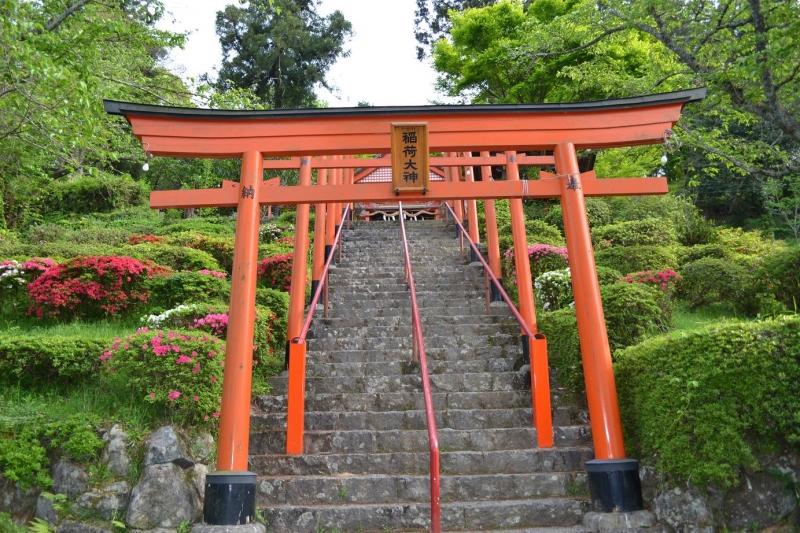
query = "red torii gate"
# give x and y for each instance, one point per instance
(307, 136)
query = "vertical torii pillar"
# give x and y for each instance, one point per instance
(319, 234)
(472, 211)
(613, 478)
(230, 496)
(492, 238)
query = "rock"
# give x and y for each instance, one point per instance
(761, 500)
(80, 527)
(247, 528)
(20, 504)
(46, 509)
(685, 510)
(198, 477)
(69, 478)
(115, 454)
(108, 501)
(164, 445)
(203, 447)
(612, 522)
(162, 498)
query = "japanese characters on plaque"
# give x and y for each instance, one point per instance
(410, 169)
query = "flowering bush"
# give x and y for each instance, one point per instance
(93, 285)
(216, 323)
(180, 371)
(269, 232)
(276, 271)
(143, 239)
(664, 279)
(554, 289)
(213, 273)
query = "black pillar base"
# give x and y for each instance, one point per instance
(458, 231)
(526, 349)
(328, 248)
(614, 485)
(314, 285)
(495, 293)
(230, 498)
(473, 257)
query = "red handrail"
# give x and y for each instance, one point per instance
(420, 356)
(323, 281)
(537, 350)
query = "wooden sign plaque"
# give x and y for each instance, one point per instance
(410, 166)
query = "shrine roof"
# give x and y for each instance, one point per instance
(128, 108)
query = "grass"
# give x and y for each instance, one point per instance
(686, 319)
(95, 329)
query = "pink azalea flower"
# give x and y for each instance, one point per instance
(196, 369)
(173, 395)
(182, 360)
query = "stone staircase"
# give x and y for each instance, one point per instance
(366, 462)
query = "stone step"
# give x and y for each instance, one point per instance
(399, 285)
(401, 401)
(388, 420)
(409, 515)
(432, 339)
(426, 310)
(388, 368)
(403, 354)
(360, 489)
(466, 382)
(376, 300)
(403, 330)
(413, 440)
(533, 460)
(432, 321)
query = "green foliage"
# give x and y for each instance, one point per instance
(745, 243)
(52, 232)
(607, 275)
(279, 48)
(220, 247)
(92, 193)
(711, 280)
(175, 257)
(644, 232)
(783, 276)
(699, 251)
(32, 358)
(632, 313)
(696, 403)
(554, 289)
(598, 213)
(627, 259)
(179, 371)
(7, 524)
(187, 287)
(208, 226)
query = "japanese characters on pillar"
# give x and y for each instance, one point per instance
(410, 165)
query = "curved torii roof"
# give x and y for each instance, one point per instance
(191, 132)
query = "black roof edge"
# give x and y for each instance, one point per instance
(114, 107)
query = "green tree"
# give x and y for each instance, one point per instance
(58, 60)
(281, 49)
(431, 20)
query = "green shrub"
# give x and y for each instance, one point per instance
(648, 231)
(40, 358)
(627, 259)
(88, 194)
(60, 250)
(180, 371)
(7, 524)
(700, 251)
(607, 275)
(52, 232)
(783, 276)
(278, 302)
(537, 231)
(632, 313)
(718, 281)
(219, 226)
(749, 243)
(598, 212)
(187, 287)
(219, 247)
(696, 404)
(175, 257)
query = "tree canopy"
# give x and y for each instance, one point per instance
(281, 49)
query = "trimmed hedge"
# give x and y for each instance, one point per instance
(627, 259)
(696, 404)
(187, 287)
(175, 257)
(783, 276)
(40, 359)
(648, 231)
(90, 194)
(219, 247)
(722, 281)
(633, 312)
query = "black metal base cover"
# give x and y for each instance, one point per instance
(314, 285)
(230, 498)
(328, 248)
(495, 293)
(614, 485)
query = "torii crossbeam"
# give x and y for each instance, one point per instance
(302, 138)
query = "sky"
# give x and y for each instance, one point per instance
(382, 67)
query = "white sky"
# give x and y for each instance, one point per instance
(382, 67)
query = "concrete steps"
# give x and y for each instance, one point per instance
(366, 460)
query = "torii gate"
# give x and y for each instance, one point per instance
(308, 135)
